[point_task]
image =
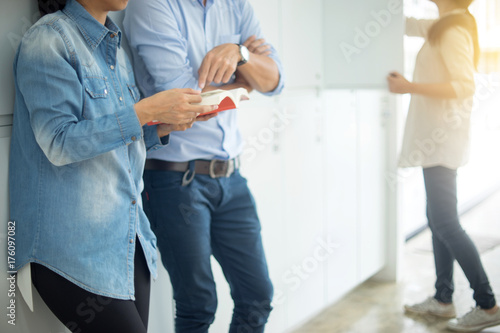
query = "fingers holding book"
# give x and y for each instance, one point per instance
(175, 106)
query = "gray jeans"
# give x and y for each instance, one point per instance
(450, 241)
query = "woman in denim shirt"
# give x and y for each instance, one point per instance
(76, 164)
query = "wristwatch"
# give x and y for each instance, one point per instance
(244, 53)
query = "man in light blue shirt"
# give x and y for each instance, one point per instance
(198, 203)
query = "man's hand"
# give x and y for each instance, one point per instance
(219, 64)
(257, 46)
(239, 82)
(166, 129)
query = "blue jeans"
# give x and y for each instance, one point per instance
(193, 222)
(450, 241)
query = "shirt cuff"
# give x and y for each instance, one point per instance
(152, 140)
(130, 127)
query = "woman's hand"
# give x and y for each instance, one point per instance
(398, 84)
(166, 129)
(173, 106)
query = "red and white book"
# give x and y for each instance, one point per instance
(225, 99)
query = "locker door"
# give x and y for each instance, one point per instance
(372, 227)
(363, 41)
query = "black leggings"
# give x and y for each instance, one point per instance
(82, 311)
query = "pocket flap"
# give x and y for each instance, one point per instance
(96, 87)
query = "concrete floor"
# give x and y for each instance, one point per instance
(376, 307)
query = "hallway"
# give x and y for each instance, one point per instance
(376, 307)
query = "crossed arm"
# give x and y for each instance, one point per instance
(259, 73)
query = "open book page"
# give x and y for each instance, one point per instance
(226, 99)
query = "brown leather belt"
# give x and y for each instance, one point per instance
(214, 168)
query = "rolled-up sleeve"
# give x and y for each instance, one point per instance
(152, 30)
(251, 26)
(457, 49)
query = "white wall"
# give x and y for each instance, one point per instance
(315, 159)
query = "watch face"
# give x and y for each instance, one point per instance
(245, 54)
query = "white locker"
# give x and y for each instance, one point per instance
(302, 36)
(303, 170)
(363, 42)
(371, 183)
(341, 196)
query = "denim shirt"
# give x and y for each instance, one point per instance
(77, 155)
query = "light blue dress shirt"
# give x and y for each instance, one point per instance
(77, 155)
(169, 40)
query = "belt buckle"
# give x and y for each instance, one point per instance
(211, 170)
(230, 167)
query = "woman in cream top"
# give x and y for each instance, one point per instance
(438, 123)
(437, 139)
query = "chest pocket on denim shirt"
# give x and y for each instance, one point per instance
(134, 92)
(97, 100)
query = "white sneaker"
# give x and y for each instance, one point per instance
(433, 307)
(475, 320)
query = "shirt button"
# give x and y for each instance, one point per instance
(121, 98)
(112, 36)
(131, 241)
(133, 138)
(134, 202)
(112, 67)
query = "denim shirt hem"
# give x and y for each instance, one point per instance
(78, 283)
